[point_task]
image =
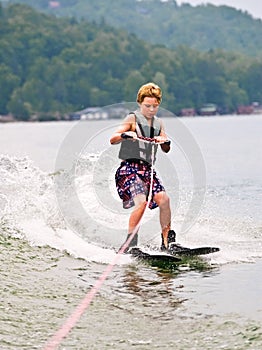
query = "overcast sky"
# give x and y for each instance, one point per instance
(254, 7)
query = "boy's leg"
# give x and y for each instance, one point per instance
(134, 220)
(163, 202)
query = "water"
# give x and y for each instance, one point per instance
(60, 222)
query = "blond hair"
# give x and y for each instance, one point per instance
(149, 90)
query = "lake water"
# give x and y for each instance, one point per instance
(61, 222)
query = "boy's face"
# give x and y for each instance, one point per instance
(149, 107)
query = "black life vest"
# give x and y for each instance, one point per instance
(138, 149)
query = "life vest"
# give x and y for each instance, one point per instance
(140, 150)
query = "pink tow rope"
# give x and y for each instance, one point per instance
(65, 329)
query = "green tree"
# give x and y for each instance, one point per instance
(196, 92)
(51, 65)
(252, 82)
(8, 82)
(132, 82)
(236, 96)
(20, 108)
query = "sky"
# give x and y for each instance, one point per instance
(254, 7)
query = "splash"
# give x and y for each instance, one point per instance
(29, 210)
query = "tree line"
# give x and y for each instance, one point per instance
(51, 67)
(202, 27)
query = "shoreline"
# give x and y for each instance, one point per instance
(10, 120)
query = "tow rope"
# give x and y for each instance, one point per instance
(71, 321)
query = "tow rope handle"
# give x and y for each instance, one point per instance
(145, 139)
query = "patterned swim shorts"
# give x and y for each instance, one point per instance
(134, 178)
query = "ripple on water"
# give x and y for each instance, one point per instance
(138, 307)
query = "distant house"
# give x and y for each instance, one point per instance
(245, 109)
(94, 113)
(6, 118)
(100, 113)
(208, 109)
(257, 108)
(187, 112)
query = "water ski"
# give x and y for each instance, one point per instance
(153, 257)
(172, 255)
(178, 250)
